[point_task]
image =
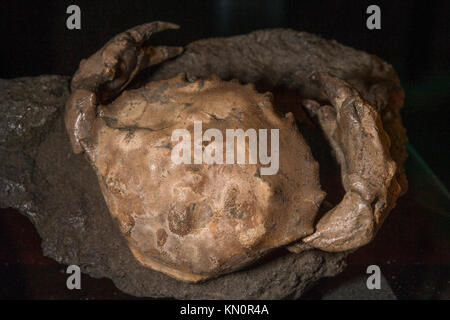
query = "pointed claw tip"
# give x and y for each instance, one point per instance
(179, 50)
(168, 25)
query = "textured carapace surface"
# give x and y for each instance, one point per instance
(195, 221)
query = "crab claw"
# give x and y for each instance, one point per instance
(107, 72)
(355, 132)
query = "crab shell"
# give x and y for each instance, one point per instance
(196, 221)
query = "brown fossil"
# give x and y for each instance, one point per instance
(197, 221)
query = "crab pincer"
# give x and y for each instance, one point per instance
(355, 132)
(105, 74)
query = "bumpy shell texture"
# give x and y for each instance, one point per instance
(195, 221)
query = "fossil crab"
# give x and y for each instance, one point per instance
(197, 221)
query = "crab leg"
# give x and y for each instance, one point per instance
(355, 132)
(107, 72)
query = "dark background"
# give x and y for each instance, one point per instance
(414, 39)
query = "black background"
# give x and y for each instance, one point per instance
(414, 38)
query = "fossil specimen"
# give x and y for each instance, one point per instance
(197, 221)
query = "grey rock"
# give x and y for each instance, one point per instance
(28, 107)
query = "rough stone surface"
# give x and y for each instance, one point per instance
(59, 192)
